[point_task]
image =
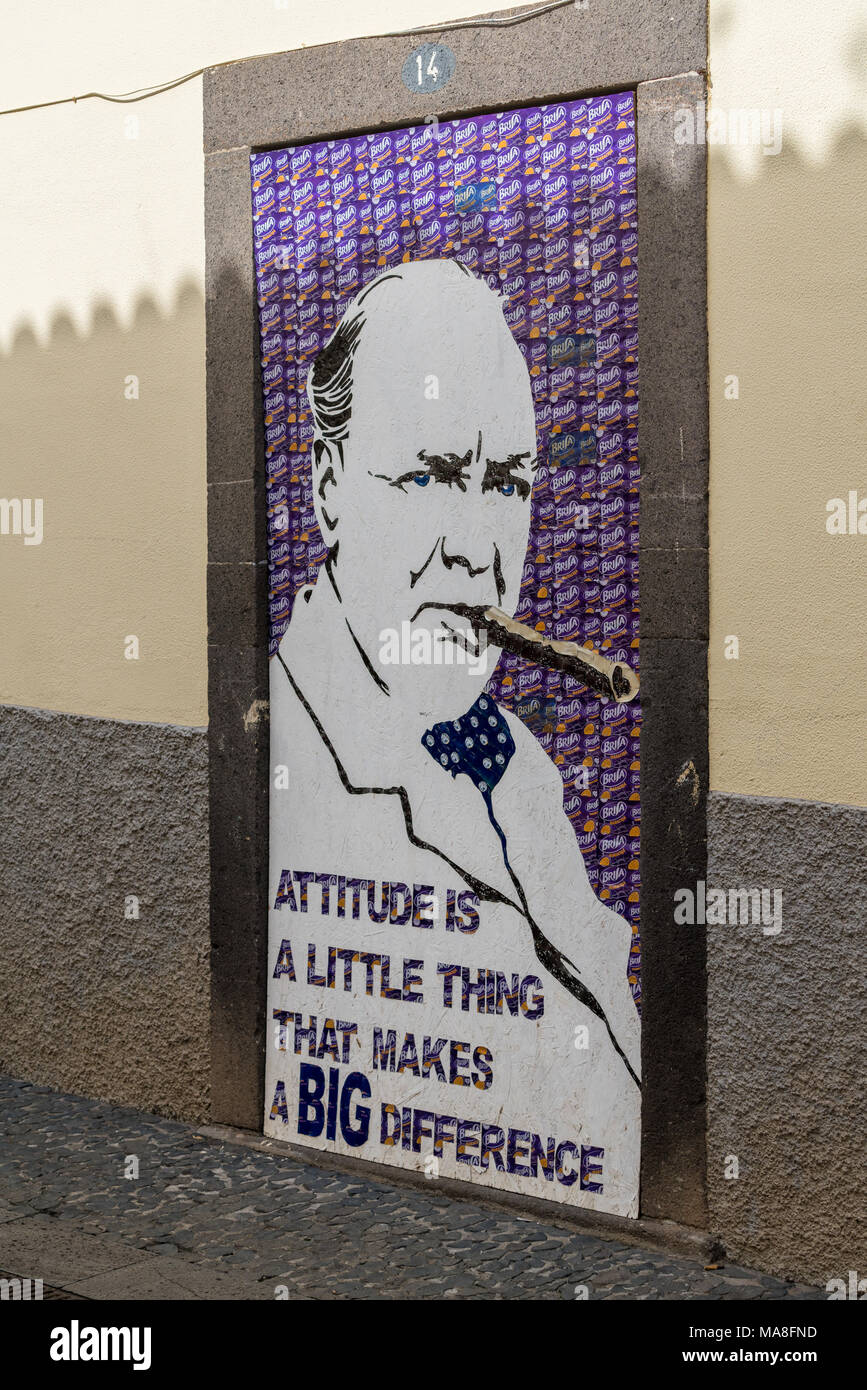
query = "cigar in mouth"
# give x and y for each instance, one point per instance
(614, 680)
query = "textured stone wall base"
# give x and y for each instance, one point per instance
(786, 1038)
(94, 811)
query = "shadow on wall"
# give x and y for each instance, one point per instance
(104, 925)
(108, 428)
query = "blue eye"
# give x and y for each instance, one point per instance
(422, 479)
(507, 489)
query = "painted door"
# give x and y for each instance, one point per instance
(449, 351)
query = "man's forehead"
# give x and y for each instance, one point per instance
(474, 450)
(481, 433)
(442, 392)
(451, 334)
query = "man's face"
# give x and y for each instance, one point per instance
(433, 501)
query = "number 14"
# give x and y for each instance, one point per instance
(432, 69)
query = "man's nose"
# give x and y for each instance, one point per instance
(483, 562)
(480, 559)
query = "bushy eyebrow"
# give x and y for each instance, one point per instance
(500, 471)
(452, 469)
(443, 468)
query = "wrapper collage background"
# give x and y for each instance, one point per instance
(540, 203)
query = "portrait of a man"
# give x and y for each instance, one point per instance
(423, 457)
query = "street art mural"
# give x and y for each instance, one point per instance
(448, 322)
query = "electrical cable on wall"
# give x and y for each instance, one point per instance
(142, 93)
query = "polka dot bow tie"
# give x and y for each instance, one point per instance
(479, 744)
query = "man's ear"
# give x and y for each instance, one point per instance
(327, 467)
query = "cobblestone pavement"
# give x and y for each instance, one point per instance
(211, 1220)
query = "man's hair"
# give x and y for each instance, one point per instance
(329, 385)
(329, 382)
